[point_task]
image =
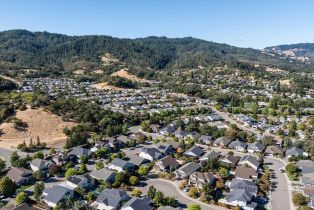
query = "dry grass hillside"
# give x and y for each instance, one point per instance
(124, 74)
(49, 127)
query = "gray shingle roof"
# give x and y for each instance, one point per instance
(139, 204)
(103, 174)
(112, 197)
(55, 193)
(79, 151)
(246, 185)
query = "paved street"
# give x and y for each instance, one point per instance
(169, 189)
(281, 194)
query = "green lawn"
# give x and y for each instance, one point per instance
(23, 188)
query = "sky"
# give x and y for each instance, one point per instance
(243, 23)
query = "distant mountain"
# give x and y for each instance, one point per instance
(303, 51)
(43, 50)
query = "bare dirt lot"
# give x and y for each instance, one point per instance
(123, 73)
(49, 127)
(105, 86)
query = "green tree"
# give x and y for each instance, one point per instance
(193, 206)
(84, 159)
(143, 170)
(158, 198)
(82, 169)
(99, 165)
(39, 155)
(151, 192)
(39, 175)
(38, 190)
(133, 180)
(223, 172)
(299, 199)
(136, 193)
(91, 197)
(2, 165)
(194, 192)
(7, 187)
(70, 172)
(22, 197)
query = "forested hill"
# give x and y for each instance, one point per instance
(24, 49)
(301, 50)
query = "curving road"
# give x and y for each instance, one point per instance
(169, 189)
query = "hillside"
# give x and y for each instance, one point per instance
(302, 51)
(54, 52)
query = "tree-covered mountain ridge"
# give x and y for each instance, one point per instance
(42, 50)
(301, 51)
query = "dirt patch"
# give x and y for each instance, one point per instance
(98, 71)
(286, 82)
(79, 72)
(49, 127)
(275, 70)
(105, 86)
(108, 59)
(124, 74)
(10, 79)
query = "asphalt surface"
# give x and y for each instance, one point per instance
(280, 195)
(169, 189)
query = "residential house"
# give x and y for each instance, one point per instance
(104, 175)
(165, 148)
(274, 150)
(79, 152)
(221, 142)
(99, 145)
(211, 155)
(198, 179)
(60, 158)
(247, 185)
(40, 164)
(20, 176)
(294, 151)
(55, 194)
(204, 139)
(83, 181)
(214, 117)
(238, 145)
(179, 133)
(150, 153)
(194, 135)
(110, 199)
(167, 130)
(241, 198)
(195, 151)
(255, 147)
(120, 165)
(230, 161)
(167, 164)
(137, 160)
(187, 169)
(250, 161)
(246, 173)
(138, 204)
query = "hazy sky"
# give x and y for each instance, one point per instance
(245, 23)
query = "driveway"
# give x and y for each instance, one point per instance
(169, 189)
(280, 196)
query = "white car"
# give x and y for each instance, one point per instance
(282, 170)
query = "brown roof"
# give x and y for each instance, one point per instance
(309, 190)
(16, 174)
(245, 172)
(274, 150)
(169, 161)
